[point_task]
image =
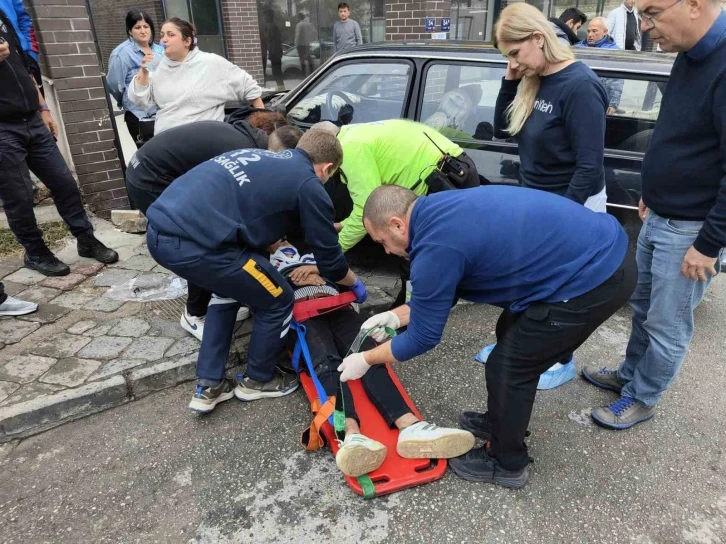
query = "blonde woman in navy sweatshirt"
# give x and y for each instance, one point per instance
(555, 107)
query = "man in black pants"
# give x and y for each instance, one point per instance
(27, 130)
(173, 153)
(557, 269)
(329, 337)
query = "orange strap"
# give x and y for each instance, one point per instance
(311, 438)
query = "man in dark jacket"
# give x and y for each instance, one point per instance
(27, 130)
(213, 225)
(567, 25)
(683, 209)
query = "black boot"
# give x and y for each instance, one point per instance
(46, 263)
(90, 246)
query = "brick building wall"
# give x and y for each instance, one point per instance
(69, 58)
(109, 21)
(242, 34)
(405, 21)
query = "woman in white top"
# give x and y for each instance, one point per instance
(189, 85)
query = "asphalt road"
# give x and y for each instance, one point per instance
(151, 471)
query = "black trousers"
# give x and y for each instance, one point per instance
(197, 298)
(306, 59)
(3, 296)
(132, 123)
(28, 144)
(329, 337)
(530, 342)
(277, 72)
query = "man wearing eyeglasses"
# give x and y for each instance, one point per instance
(683, 208)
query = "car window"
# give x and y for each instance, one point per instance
(633, 109)
(459, 99)
(356, 93)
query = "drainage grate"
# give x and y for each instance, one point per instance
(169, 310)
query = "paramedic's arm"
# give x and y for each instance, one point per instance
(316, 218)
(363, 178)
(427, 312)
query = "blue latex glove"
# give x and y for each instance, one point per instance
(360, 291)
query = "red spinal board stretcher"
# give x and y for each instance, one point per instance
(396, 473)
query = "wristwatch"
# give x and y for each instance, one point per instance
(44, 108)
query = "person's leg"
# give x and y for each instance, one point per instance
(667, 328)
(3, 296)
(302, 53)
(197, 300)
(132, 124)
(11, 306)
(277, 74)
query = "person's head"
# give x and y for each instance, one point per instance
(597, 30)
(386, 217)
(677, 25)
(629, 4)
(140, 27)
(178, 37)
(324, 151)
(269, 15)
(524, 35)
(343, 11)
(574, 18)
(285, 137)
(269, 121)
(326, 126)
(301, 17)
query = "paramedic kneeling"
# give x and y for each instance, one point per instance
(557, 269)
(211, 227)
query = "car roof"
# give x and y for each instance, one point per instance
(600, 59)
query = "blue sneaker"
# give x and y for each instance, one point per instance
(557, 375)
(623, 413)
(483, 355)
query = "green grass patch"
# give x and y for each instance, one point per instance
(53, 234)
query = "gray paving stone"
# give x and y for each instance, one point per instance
(112, 277)
(48, 411)
(142, 263)
(26, 368)
(169, 329)
(7, 389)
(162, 375)
(104, 304)
(60, 345)
(13, 289)
(152, 281)
(81, 327)
(38, 294)
(73, 300)
(117, 366)
(117, 239)
(104, 347)
(130, 326)
(101, 330)
(47, 313)
(160, 269)
(13, 330)
(9, 266)
(148, 348)
(70, 372)
(183, 346)
(31, 391)
(25, 276)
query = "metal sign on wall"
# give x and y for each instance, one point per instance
(430, 24)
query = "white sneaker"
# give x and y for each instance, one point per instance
(14, 306)
(426, 441)
(243, 313)
(360, 455)
(193, 325)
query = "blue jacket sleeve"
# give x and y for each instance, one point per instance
(116, 77)
(433, 293)
(317, 220)
(584, 117)
(24, 23)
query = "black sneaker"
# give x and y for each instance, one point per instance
(283, 383)
(478, 466)
(477, 423)
(46, 263)
(90, 246)
(206, 398)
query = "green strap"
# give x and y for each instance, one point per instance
(366, 484)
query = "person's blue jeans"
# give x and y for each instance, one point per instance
(663, 304)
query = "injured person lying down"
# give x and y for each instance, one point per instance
(329, 337)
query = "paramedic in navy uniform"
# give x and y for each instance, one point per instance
(212, 227)
(556, 286)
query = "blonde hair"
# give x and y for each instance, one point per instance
(517, 23)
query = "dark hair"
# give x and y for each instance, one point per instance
(573, 14)
(267, 121)
(134, 16)
(343, 5)
(186, 29)
(286, 135)
(301, 16)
